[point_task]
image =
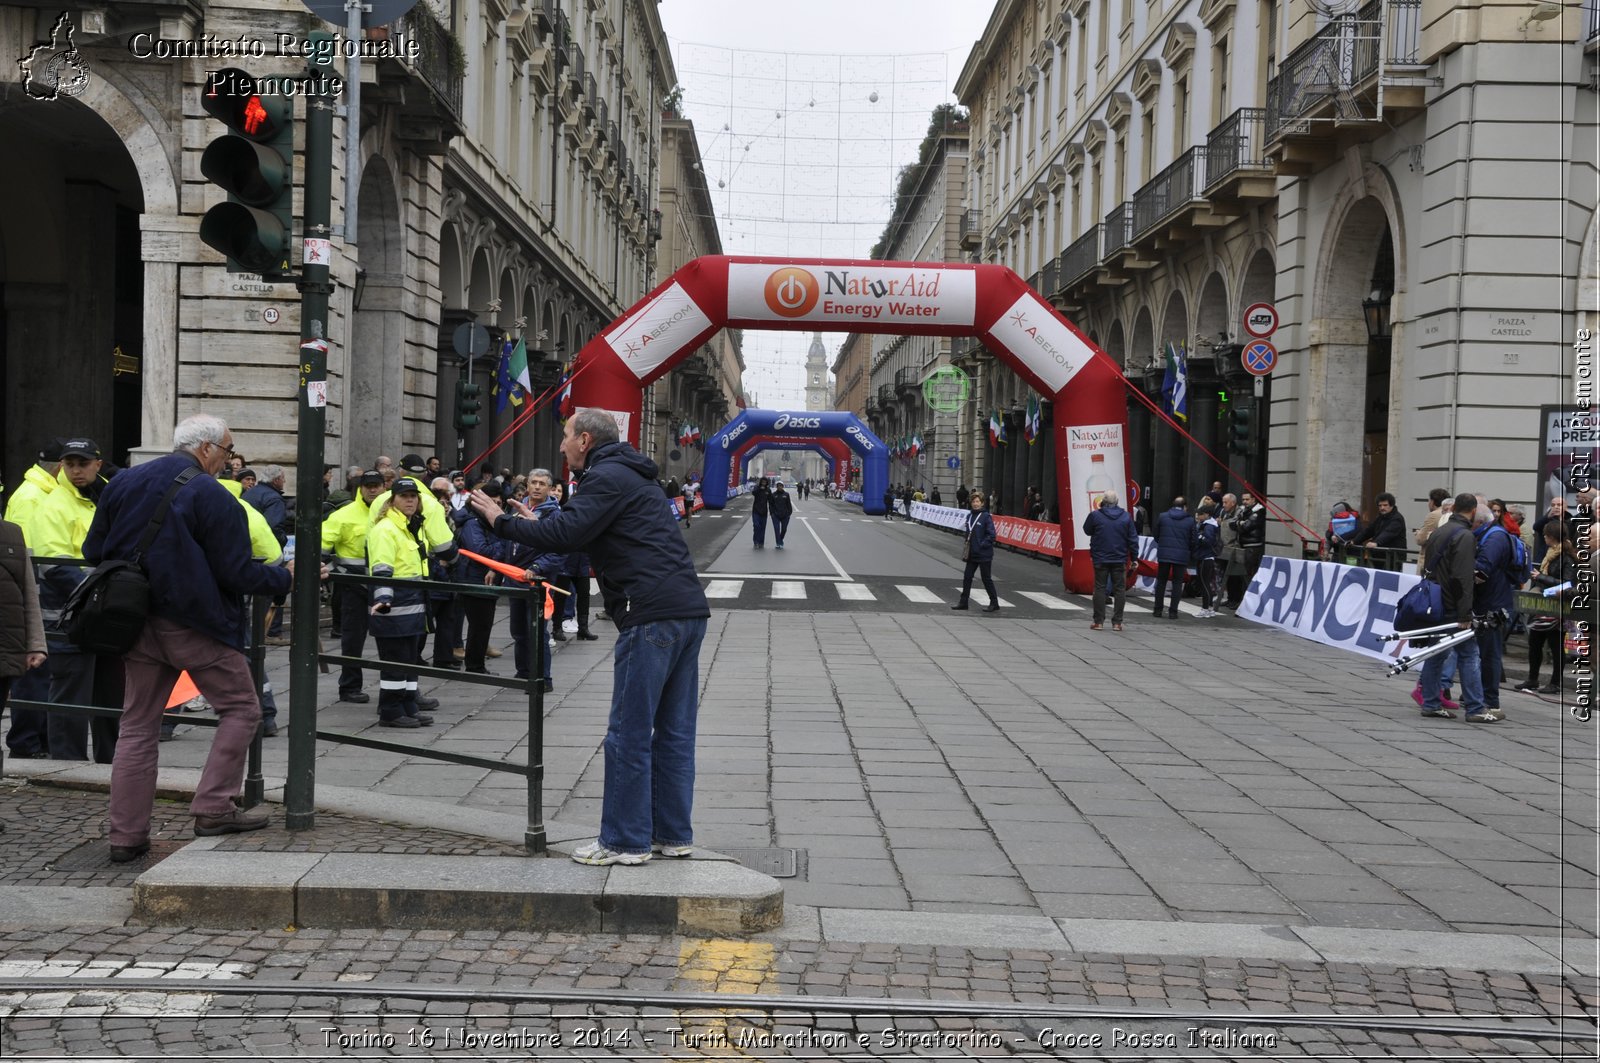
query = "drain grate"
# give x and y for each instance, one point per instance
(778, 863)
(96, 856)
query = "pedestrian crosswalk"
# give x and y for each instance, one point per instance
(753, 592)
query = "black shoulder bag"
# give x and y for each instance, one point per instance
(107, 611)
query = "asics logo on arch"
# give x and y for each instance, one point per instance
(861, 437)
(785, 421)
(791, 292)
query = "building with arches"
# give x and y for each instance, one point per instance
(1408, 182)
(507, 174)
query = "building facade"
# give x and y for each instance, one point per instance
(706, 389)
(504, 176)
(1155, 169)
(925, 229)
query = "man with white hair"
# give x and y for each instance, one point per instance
(200, 569)
(1113, 548)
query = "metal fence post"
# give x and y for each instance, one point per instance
(534, 837)
(255, 788)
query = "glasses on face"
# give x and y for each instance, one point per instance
(228, 451)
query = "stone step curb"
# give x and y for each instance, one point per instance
(201, 886)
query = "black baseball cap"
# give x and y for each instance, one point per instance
(406, 485)
(80, 447)
(413, 463)
(50, 450)
(371, 478)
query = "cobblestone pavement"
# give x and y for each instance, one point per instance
(496, 995)
(288, 992)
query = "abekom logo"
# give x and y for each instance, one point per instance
(792, 292)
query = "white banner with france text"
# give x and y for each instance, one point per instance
(1336, 605)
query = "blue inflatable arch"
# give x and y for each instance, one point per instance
(762, 448)
(826, 424)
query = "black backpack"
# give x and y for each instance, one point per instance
(107, 611)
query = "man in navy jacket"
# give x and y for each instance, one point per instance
(200, 569)
(1174, 533)
(1113, 549)
(651, 591)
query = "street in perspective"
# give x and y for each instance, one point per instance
(599, 529)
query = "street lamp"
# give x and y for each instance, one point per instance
(1375, 309)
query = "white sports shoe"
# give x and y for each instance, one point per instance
(675, 852)
(599, 856)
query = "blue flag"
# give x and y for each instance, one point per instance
(1175, 383)
(503, 381)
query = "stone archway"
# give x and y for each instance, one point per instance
(374, 386)
(1347, 380)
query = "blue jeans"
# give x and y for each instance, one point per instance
(1491, 646)
(1468, 669)
(760, 521)
(649, 745)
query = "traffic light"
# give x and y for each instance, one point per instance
(254, 163)
(467, 404)
(1241, 429)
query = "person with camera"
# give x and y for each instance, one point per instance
(199, 569)
(1450, 559)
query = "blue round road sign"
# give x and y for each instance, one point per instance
(952, 462)
(1259, 358)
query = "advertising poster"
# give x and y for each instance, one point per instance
(1568, 453)
(1095, 465)
(852, 296)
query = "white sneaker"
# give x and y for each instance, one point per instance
(674, 852)
(1204, 614)
(569, 626)
(597, 855)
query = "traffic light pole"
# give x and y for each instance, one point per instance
(315, 288)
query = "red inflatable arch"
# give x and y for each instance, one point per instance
(918, 298)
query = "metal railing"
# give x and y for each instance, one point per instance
(1168, 191)
(590, 90)
(1118, 229)
(1342, 56)
(1081, 256)
(602, 118)
(436, 59)
(1048, 279)
(1238, 143)
(972, 220)
(575, 62)
(1591, 19)
(886, 394)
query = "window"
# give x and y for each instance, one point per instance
(1220, 106)
(1147, 145)
(1180, 116)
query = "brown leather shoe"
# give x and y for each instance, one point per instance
(237, 821)
(122, 854)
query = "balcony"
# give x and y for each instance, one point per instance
(908, 382)
(885, 396)
(1591, 23)
(1237, 170)
(1325, 97)
(543, 14)
(971, 227)
(1120, 257)
(1078, 261)
(589, 93)
(427, 120)
(1171, 208)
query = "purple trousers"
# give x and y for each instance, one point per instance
(222, 674)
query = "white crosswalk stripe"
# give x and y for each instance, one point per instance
(788, 589)
(917, 593)
(725, 588)
(855, 592)
(1050, 601)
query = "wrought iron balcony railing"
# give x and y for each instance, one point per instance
(1238, 143)
(436, 59)
(1081, 256)
(1167, 192)
(1118, 229)
(1343, 55)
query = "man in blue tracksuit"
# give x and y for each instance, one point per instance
(1113, 549)
(1491, 603)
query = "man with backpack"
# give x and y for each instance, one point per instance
(1501, 566)
(1449, 559)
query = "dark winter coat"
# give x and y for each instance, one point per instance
(781, 505)
(646, 572)
(1387, 530)
(760, 497)
(1452, 551)
(1174, 533)
(1113, 540)
(1494, 558)
(1252, 525)
(980, 536)
(199, 564)
(268, 501)
(21, 626)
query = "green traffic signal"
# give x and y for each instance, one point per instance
(1241, 431)
(468, 404)
(254, 163)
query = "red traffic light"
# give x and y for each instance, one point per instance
(234, 98)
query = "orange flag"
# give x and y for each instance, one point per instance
(183, 690)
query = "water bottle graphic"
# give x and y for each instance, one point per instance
(1098, 482)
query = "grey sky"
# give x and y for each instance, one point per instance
(800, 158)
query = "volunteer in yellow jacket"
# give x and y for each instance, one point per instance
(439, 536)
(37, 483)
(397, 549)
(344, 546)
(57, 528)
(264, 548)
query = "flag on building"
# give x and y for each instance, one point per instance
(916, 443)
(502, 385)
(564, 405)
(1030, 426)
(1175, 383)
(517, 370)
(997, 429)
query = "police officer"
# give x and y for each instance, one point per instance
(57, 528)
(396, 548)
(344, 547)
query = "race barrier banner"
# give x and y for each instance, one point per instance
(1033, 536)
(1336, 605)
